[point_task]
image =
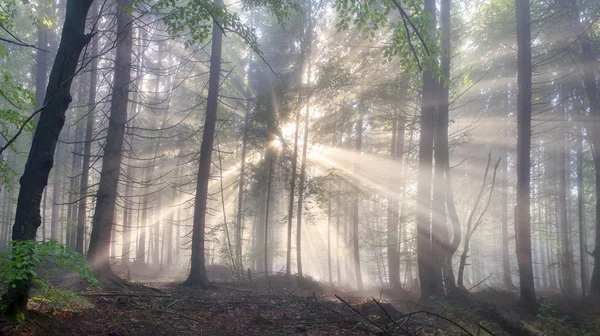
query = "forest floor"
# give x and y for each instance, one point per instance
(276, 306)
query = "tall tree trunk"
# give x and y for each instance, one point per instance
(393, 253)
(588, 70)
(424, 255)
(506, 275)
(271, 155)
(355, 201)
(523, 230)
(338, 211)
(241, 183)
(580, 214)
(568, 270)
(329, 233)
(40, 160)
(56, 193)
(305, 144)
(290, 218)
(102, 223)
(197, 276)
(87, 147)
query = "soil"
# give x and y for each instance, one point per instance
(279, 305)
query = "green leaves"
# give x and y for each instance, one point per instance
(26, 259)
(193, 19)
(405, 34)
(17, 103)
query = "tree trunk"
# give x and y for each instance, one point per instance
(355, 201)
(580, 212)
(568, 270)
(305, 144)
(393, 253)
(40, 160)
(588, 61)
(240, 209)
(87, 147)
(523, 231)
(102, 223)
(506, 275)
(424, 255)
(197, 276)
(291, 198)
(56, 193)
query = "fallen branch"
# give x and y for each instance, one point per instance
(482, 281)
(361, 314)
(388, 316)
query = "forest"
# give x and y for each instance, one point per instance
(315, 167)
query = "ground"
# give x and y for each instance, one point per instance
(274, 306)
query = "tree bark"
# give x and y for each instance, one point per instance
(197, 276)
(102, 223)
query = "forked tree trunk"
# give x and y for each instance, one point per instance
(40, 160)
(102, 223)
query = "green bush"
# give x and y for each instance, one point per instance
(38, 261)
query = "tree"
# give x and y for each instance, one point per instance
(523, 231)
(40, 160)
(102, 223)
(87, 146)
(197, 276)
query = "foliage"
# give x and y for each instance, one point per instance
(27, 260)
(14, 98)
(410, 38)
(551, 322)
(194, 19)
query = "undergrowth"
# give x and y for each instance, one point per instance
(552, 323)
(39, 262)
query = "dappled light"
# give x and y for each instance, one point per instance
(318, 167)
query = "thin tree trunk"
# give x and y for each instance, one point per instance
(355, 201)
(87, 147)
(588, 61)
(267, 206)
(56, 192)
(580, 213)
(102, 223)
(393, 253)
(506, 275)
(567, 260)
(329, 234)
(523, 230)
(240, 209)
(197, 276)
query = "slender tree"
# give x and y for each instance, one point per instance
(523, 225)
(197, 276)
(104, 214)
